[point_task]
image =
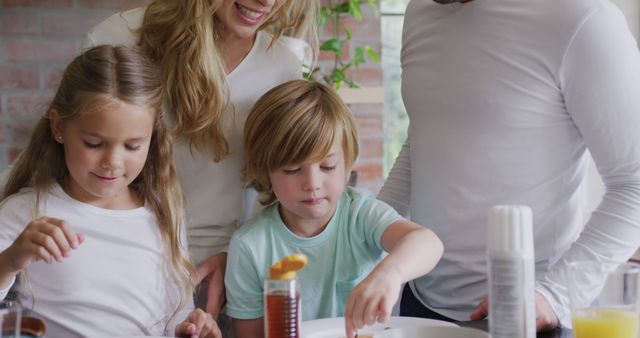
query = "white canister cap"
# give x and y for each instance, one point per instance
(510, 229)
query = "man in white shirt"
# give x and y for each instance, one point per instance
(507, 100)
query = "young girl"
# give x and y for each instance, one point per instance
(92, 210)
(217, 58)
(300, 143)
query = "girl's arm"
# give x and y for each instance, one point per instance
(7, 274)
(48, 239)
(248, 328)
(413, 251)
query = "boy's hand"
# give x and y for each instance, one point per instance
(372, 300)
(212, 271)
(198, 324)
(46, 239)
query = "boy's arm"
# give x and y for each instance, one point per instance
(248, 328)
(413, 251)
(244, 289)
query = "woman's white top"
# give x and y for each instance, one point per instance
(214, 191)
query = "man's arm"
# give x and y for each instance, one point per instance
(600, 80)
(397, 188)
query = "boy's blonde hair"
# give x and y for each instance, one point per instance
(98, 76)
(296, 122)
(182, 37)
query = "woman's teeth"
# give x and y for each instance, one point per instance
(250, 14)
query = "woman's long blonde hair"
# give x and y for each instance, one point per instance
(293, 123)
(181, 36)
(98, 76)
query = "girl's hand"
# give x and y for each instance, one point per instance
(46, 239)
(372, 300)
(198, 324)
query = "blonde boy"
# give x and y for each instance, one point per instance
(300, 143)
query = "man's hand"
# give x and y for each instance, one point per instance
(546, 318)
(212, 270)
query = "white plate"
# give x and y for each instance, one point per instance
(334, 327)
(432, 332)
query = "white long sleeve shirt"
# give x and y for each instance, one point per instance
(506, 99)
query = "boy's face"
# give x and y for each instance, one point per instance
(309, 193)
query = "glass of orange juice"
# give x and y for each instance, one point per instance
(604, 299)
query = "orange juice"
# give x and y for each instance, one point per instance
(605, 322)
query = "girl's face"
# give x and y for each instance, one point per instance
(105, 151)
(309, 193)
(242, 18)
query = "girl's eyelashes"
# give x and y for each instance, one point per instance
(328, 168)
(91, 145)
(133, 147)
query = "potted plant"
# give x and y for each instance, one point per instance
(346, 58)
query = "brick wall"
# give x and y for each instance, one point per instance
(37, 40)
(39, 37)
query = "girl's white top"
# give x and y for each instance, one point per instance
(115, 283)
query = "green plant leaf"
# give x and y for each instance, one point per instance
(333, 13)
(338, 74)
(352, 84)
(372, 54)
(358, 58)
(332, 45)
(354, 9)
(374, 5)
(328, 80)
(324, 16)
(340, 8)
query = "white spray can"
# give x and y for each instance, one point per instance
(511, 273)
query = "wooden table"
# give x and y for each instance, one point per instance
(484, 326)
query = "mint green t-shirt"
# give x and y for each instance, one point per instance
(339, 257)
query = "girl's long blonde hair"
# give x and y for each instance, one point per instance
(182, 37)
(98, 76)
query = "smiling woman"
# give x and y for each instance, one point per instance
(217, 57)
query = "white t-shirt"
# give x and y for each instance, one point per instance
(504, 99)
(115, 283)
(214, 191)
